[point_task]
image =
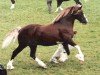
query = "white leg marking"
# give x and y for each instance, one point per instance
(12, 6)
(80, 56)
(70, 47)
(63, 57)
(40, 63)
(59, 9)
(59, 53)
(63, 54)
(10, 65)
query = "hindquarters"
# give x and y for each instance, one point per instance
(49, 2)
(27, 34)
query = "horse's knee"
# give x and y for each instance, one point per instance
(10, 65)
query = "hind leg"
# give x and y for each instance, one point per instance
(33, 55)
(80, 55)
(15, 53)
(49, 2)
(12, 4)
(59, 8)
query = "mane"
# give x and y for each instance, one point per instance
(62, 14)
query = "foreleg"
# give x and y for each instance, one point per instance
(15, 53)
(80, 55)
(12, 4)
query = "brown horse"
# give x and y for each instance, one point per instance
(60, 31)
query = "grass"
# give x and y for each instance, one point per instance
(34, 11)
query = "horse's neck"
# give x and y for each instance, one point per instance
(68, 22)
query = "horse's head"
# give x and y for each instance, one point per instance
(74, 11)
(78, 14)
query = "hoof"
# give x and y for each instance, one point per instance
(63, 60)
(12, 6)
(80, 57)
(54, 60)
(9, 67)
(45, 67)
(81, 62)
(63, 57)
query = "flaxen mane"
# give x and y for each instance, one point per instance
(63, 14)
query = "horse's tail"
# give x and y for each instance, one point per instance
(12, 36)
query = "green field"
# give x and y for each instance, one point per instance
(35, 11)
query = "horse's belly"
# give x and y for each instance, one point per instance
(47, 43)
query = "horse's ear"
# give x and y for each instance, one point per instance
(76, 8)
(62, 14)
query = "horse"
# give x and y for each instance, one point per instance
(59, 31)
(49, 4)
(59, 2)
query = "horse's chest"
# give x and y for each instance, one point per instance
(66, 33)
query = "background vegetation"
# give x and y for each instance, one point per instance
(35, 11)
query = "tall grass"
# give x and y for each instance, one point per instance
(35, 11)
